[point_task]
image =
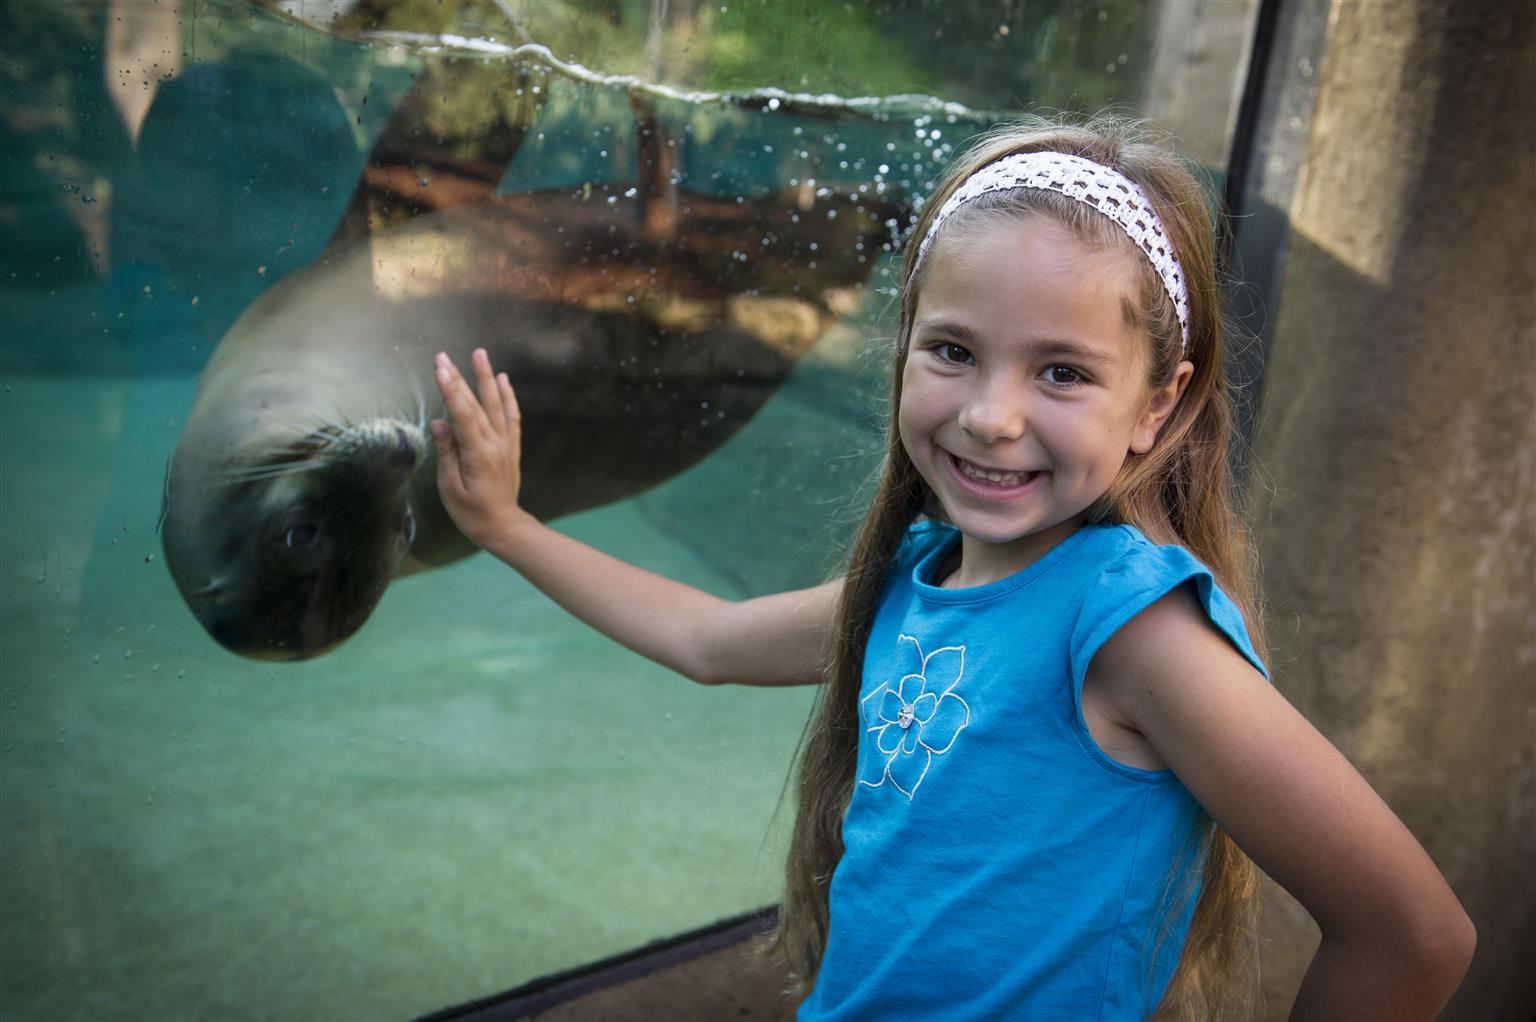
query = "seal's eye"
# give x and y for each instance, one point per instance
(301, 537)
(409, 527)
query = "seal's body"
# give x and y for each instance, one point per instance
(303, 482)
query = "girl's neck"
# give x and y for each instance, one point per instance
(976, 562)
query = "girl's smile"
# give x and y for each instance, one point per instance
(991, 483)
(1024, 387)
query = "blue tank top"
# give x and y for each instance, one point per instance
(997, 863)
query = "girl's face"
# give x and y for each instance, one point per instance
(1025, 387)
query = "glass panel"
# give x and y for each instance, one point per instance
(220, 801)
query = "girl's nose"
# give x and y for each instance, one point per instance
(994, 412)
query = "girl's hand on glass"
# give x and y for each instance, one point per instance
(479, 450)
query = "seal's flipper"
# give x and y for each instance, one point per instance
(448, 142)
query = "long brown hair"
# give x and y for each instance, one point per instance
(1179, 492)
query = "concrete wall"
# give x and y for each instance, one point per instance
(1396, 456)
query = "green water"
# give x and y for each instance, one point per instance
(474, 791)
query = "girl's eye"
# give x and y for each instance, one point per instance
(1063, 375)
(950, 352)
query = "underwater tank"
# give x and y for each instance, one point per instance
(469, 789)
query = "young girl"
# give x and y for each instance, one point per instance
(1046, 745)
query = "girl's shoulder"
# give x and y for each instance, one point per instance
(1128, 555)
(1129, 572)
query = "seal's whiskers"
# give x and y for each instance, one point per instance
(270, 471)
(421, 399)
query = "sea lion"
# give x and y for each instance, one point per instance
(302, 484)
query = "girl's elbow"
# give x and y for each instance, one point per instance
(703, 670)
(708, 679)
(1443, 946)
(712, 671)
(1453, 952)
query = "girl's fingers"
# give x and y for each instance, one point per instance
(447, 455)
(509, 407)
(490, 393)
(514, 426)
(468, 418)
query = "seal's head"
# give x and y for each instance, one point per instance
(283, 554)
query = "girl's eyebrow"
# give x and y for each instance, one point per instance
(1053, 348)
(1044, 347)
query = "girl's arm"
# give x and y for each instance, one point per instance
(1396, 942)
(772, 640)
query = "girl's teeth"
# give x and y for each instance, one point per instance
(1009, 478)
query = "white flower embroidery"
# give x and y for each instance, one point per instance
(914, 718)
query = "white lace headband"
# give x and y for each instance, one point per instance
(1108, 191)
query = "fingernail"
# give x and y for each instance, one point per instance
(439, 428)
(442, 375)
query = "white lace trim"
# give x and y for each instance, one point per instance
(1108, 191)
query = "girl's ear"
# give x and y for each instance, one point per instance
(1159, 407)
